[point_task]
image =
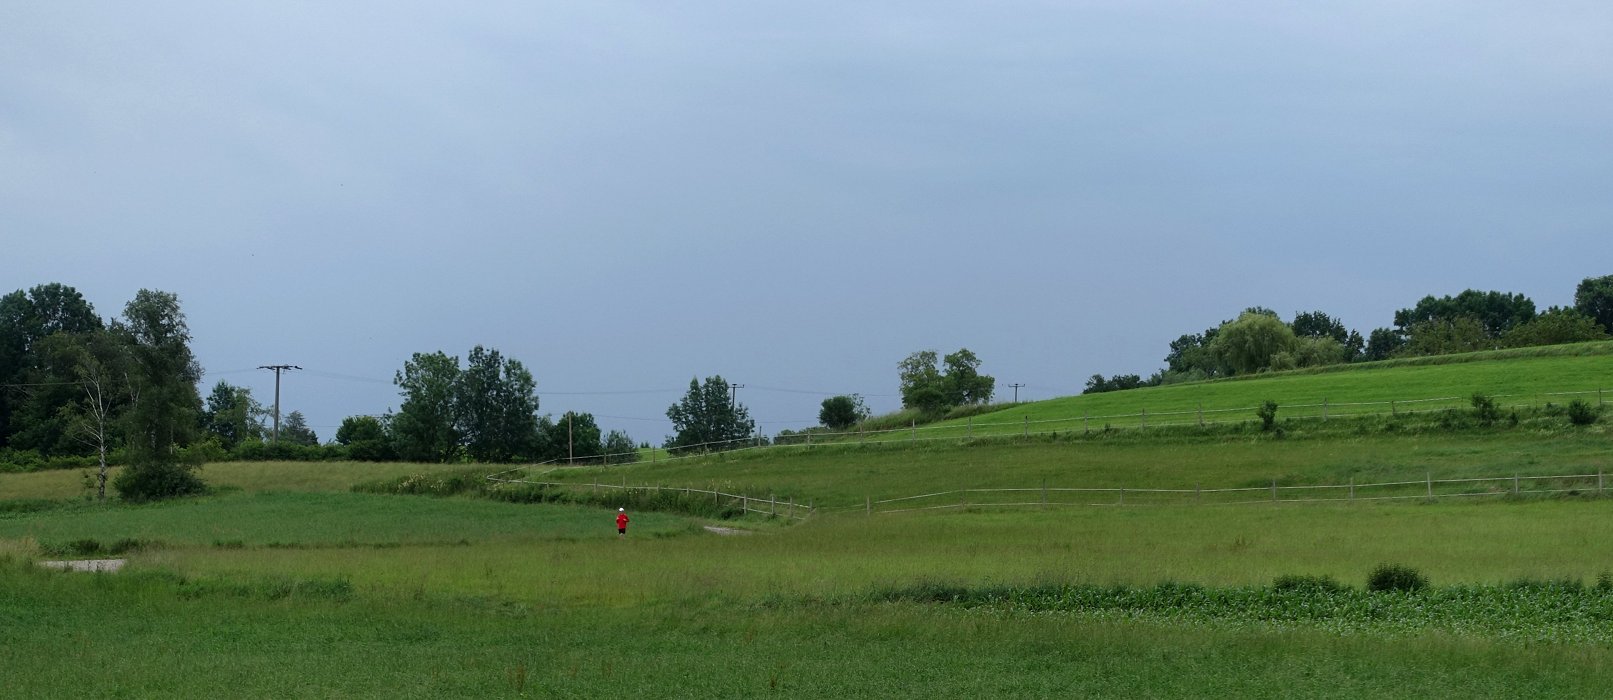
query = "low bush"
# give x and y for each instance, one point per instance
(1307, 582)
(1268, 415)
(1581, 413)
(1396, 577)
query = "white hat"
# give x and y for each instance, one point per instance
(621, 510)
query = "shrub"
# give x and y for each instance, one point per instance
(1484, 408)
(1395, 577)
(1308, 582)
(152, 482)
(1581, 413)
(1268, 414)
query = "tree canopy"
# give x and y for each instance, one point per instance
(930, 388)
(707, 418)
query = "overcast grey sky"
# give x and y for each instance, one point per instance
(625, 196)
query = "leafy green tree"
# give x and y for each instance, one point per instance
(1496, 312)
(926, 387)
(232, 415)
(295, 430)
(574, 437)
(1248, 344)
(1447, 336)
(26, 320)
(424, 426)
(965, 385)
(1316, 324)
(1594, 298)
(619, 448)
(1314, 351)
(162, 415)
(1192, 354)
(1098, 384)
(99, 369)
(922, 384)
(1382, 344)
(708, 419)
(365, 438)
(497, 407)
(1555, 326)
(841, 412)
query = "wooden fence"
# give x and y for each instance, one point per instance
(1427, 488)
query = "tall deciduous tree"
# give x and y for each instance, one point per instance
(1594, 298)
(26, 320)
(1496, 312)
(424, 427)
(497, 412)
(841, 412)
(575, 436)
(707, 418)
(162, 415)
(620, 448)
(964, 382)
(232, 415)
(1317, 324)
(1249, 343)
(931, 389)
(98, 365)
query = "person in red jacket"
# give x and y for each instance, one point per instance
(621, 522)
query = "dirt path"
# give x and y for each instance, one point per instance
(108, 565)
(726, 530)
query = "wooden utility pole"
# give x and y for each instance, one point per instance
(1016, 386)
(277, 370)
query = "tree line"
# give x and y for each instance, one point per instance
(78, 390)
(1258, 340)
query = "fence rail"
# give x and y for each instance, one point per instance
(1427, 488)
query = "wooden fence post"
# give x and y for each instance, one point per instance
(1145, 418)
(1027, 425)
(1198, 493)
(1430, 477)
(1392, 410)
(868, 503)
(1514, 484)
(1201, 414)
(792, 507)
(1598, 480)
(1044, 494)
(1122, 495)
(913, 429)
(772, 504)
(1086, 423)
(1324, 409)
(1273, 490)
(1352, 487)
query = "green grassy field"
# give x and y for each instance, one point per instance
(288, 582)
(1526, 377)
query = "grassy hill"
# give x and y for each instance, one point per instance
(1521, 377)
(287, 582)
